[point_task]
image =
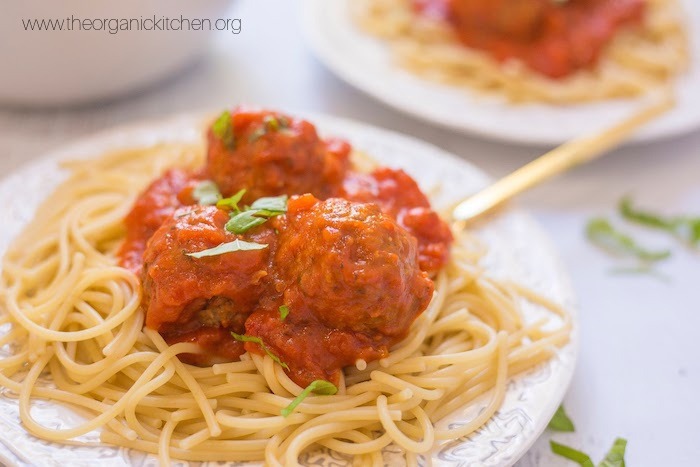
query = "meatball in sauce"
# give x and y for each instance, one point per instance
(348, 259)
(349, 276)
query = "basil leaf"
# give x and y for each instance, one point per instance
(243, 221)
(284, 122)
(572, 454)
(259, 341)
(601, 233)
(685, 228)
(206, 193)
(318, 386)
(232, 201)
(230, 247)
(223, 129)
(266, 213)
(561, 421)
(274, 204)
(616, 456)
(254, 215)
(270, 123)
(256, 135)
(284, 311)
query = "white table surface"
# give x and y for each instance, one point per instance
(638, 374)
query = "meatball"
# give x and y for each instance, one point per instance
(271, 154)
(400, 197)
(349, 275)
(182, 293)
(354, 266)
(520, 20)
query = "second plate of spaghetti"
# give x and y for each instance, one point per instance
(541, 74)
(245, 288)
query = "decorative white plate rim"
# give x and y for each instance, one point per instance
(519, 250)
(366, 63)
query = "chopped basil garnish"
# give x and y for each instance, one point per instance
(319, 386)
(258, 213)
(257, 134)
(243, 221)
(270, 123)
(614, 458)
(274, 204)
(229, 247)
(685, 228)
(284, 311)
(206, 193)
(259, 341)
(231, 202)
(223, 129)
(601, 233)
(284, 122)
(572, 454)
(561, 422)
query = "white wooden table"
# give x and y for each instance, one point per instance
(639, 370)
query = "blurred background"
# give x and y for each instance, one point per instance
(638, 373)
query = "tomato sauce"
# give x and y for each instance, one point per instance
(554, 38)
(153, 207)
(350, 259)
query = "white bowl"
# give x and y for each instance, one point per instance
(50, 68)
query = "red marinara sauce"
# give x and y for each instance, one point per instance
(153, 207)
(350, 259)
(553, 37)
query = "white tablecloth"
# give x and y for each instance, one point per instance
(638, 375)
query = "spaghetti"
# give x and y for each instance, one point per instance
(75, 318)
(636, 59)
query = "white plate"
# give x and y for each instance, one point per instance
(518, 250)
(366, 63)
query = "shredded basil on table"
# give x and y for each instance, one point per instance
(561, 421)
(616, 455)
(614, 458)
(685, 228)
(601, 233)
(572, 454)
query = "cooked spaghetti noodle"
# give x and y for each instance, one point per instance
(74, 317)
(636, 60)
